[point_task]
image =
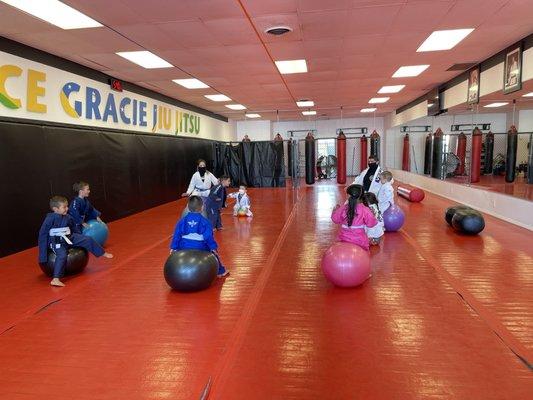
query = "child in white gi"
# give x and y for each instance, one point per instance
(386, 191)
(376, 232)
(242, 202)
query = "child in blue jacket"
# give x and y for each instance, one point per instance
(59, 232)
(80, 208)
(194, 231)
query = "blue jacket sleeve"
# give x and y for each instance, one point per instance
(74, 211)
(207, 232)
(43, 240)
(177, 235)
(74, 228)
(92, 213)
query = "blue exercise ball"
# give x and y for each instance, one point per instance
(97, 230)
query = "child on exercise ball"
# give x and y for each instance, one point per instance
(242, 202)
(58, 232)
(386, 191)
(80, 207)
(375, 233)
(194, 231)
(354, 217)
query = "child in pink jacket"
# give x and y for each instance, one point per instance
(353, 217)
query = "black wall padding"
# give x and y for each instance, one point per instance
(254, 164)
(128, 173)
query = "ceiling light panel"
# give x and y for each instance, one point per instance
(55, 13)
(409, 71)
(305, 103)
(377, 100)
(217, 97)
(191, 83)
(236, 106)
(497, 104)
(391, 89)
(292, 66)
(444, 40)
(145, 59)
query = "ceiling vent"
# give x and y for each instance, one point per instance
(278, 30)
(461, 66)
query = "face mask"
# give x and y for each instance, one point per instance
(241, 191)
(202, 170)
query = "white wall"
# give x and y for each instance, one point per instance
(455, 95)
(525, 121)
(328, 127)
(266, 130)
(256, 130)
(417, 111)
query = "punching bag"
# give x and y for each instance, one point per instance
(437, 163)
(530, 160)
(427, 154)
(510, 160)
(310, 159)
(341, 158)
(374, 145)
(489, 153)
(364, 153)
(405, 153)
(461, 154)
(475, 167)
(289, 156)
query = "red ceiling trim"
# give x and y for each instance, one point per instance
(266, 48)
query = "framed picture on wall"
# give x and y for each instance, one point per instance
(512, 71)
(473, 86)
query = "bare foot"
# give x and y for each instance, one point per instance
(108, 255)
(57, 282)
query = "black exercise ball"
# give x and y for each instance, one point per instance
(450, 211)
(191, 270)
(468, 221)
(77, 260)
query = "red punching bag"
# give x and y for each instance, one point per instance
(405, 154)
(341, 158)
(461, 154)
(364, 153)
(475, 168)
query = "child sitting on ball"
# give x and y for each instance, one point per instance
(354, 217)
(194, 231)
(386, 191)
(375, 233)
(80, 208)
(58, 232)
(242, 202)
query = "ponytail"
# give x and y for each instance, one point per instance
(355, 192)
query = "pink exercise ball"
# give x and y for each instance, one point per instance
(346, 264)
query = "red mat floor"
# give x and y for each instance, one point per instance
(443, 316)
